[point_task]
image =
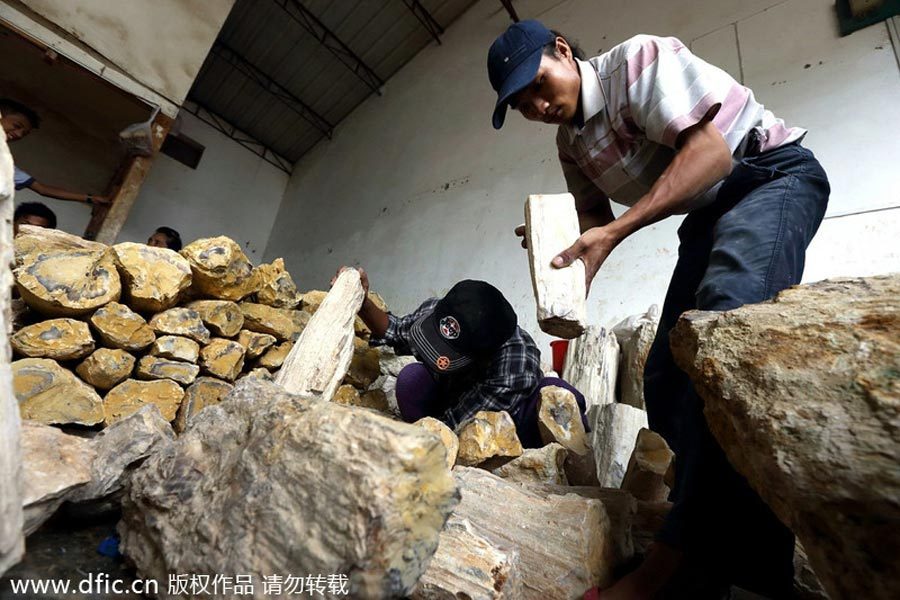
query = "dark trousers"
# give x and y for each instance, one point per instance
(744, 248)
(416, 391)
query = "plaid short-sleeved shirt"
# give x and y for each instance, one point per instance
(636, 99)
(503, 382)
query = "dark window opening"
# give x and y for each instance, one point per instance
(183, 149)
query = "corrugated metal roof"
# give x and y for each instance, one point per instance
(268, 73)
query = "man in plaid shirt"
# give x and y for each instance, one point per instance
(472, 356)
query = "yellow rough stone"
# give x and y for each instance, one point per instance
(33, 240)
(106, 368)
(59, 339)
(220, 269)
(255, 343)
(205, 391)
(259, 373)
(120, 327)
(365, 366)
(312, 300)
(68, 283)
(350, 396)
(222, 358)
(49, 394)
(131, 395)
(152, 278)
(181, 321)
(175, 347)
(446, 435)
(346, 394)
(537, 465)
(283, 323)
(277, 288)
(222, 317)
(153, 367)
(274, 356)
(488, 435)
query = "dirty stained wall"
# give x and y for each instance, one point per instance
(419, 189)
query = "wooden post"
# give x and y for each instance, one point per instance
(12, 544)
(107, 221)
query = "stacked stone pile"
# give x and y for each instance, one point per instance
(101, 331)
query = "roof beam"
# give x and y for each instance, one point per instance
(315, 27)
(425, 18)
(244, 66)
(507, 4)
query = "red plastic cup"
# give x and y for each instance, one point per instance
(559, 347)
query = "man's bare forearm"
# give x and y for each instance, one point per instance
(374, 318)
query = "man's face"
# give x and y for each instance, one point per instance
(15, 126)
(552, 97)
(158, 240)
(29, 220)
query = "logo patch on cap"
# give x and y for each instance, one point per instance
(442, 363)
(449, 328)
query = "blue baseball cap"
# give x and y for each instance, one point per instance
(513, 61)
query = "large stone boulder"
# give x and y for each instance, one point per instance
(635, 336)
(488, 438)
(153, 278)
(118, 326)
(255, 344)
(68, 283)
(220, 269)
(59, 339)
(283, 323)
(154, 367)
(276, 287)
(222, 317)
(223, 359)
(106, 368)
(175, 347)
(132, 395)
(181, 321)
(274, 357)
(33, 240)
(49, 394)
(802, 393)
(205, 391)
(266, 482)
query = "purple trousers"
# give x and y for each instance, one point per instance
(417, 389)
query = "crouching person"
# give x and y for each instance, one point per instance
(472, 356)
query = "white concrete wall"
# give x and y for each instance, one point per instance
(417, 187)
(232, 192)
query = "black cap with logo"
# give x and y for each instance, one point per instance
(471, 322)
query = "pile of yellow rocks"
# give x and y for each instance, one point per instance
(101, 331)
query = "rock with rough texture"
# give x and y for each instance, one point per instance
(53, 464)
(559, 421)
(220, 269)
(176, 347)
(274, 356)
(564, 544)
(131, 395)
(364, 367)
(635, 335)
(312, 300)
(243, 474)
(106, 368)
(802, 393)
(68, 283)
(59, 339)
(222, 317)
(33, 240)
(392, 363)
(591, 366)
(469, 565)
(120, 327)
(614, 429)
(255, 344)
(153, 279)
(205, 391)
(551, 225)
(154, 367)
(119, 447)
(276, 287)
(181, 321)
(647, 467)
(537, 465)
(222, 358)
(488, 435)
(260, 373)
(445, 434)
(350, 396)
(285, 324)
(49, 394)
(319, 360)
